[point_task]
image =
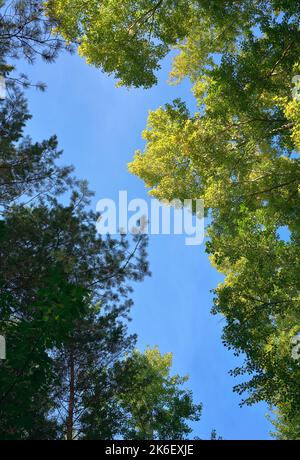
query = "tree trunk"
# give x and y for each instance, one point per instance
(70, 418)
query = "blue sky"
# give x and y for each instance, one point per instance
(99, 127)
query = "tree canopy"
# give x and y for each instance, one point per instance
(239, 153)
